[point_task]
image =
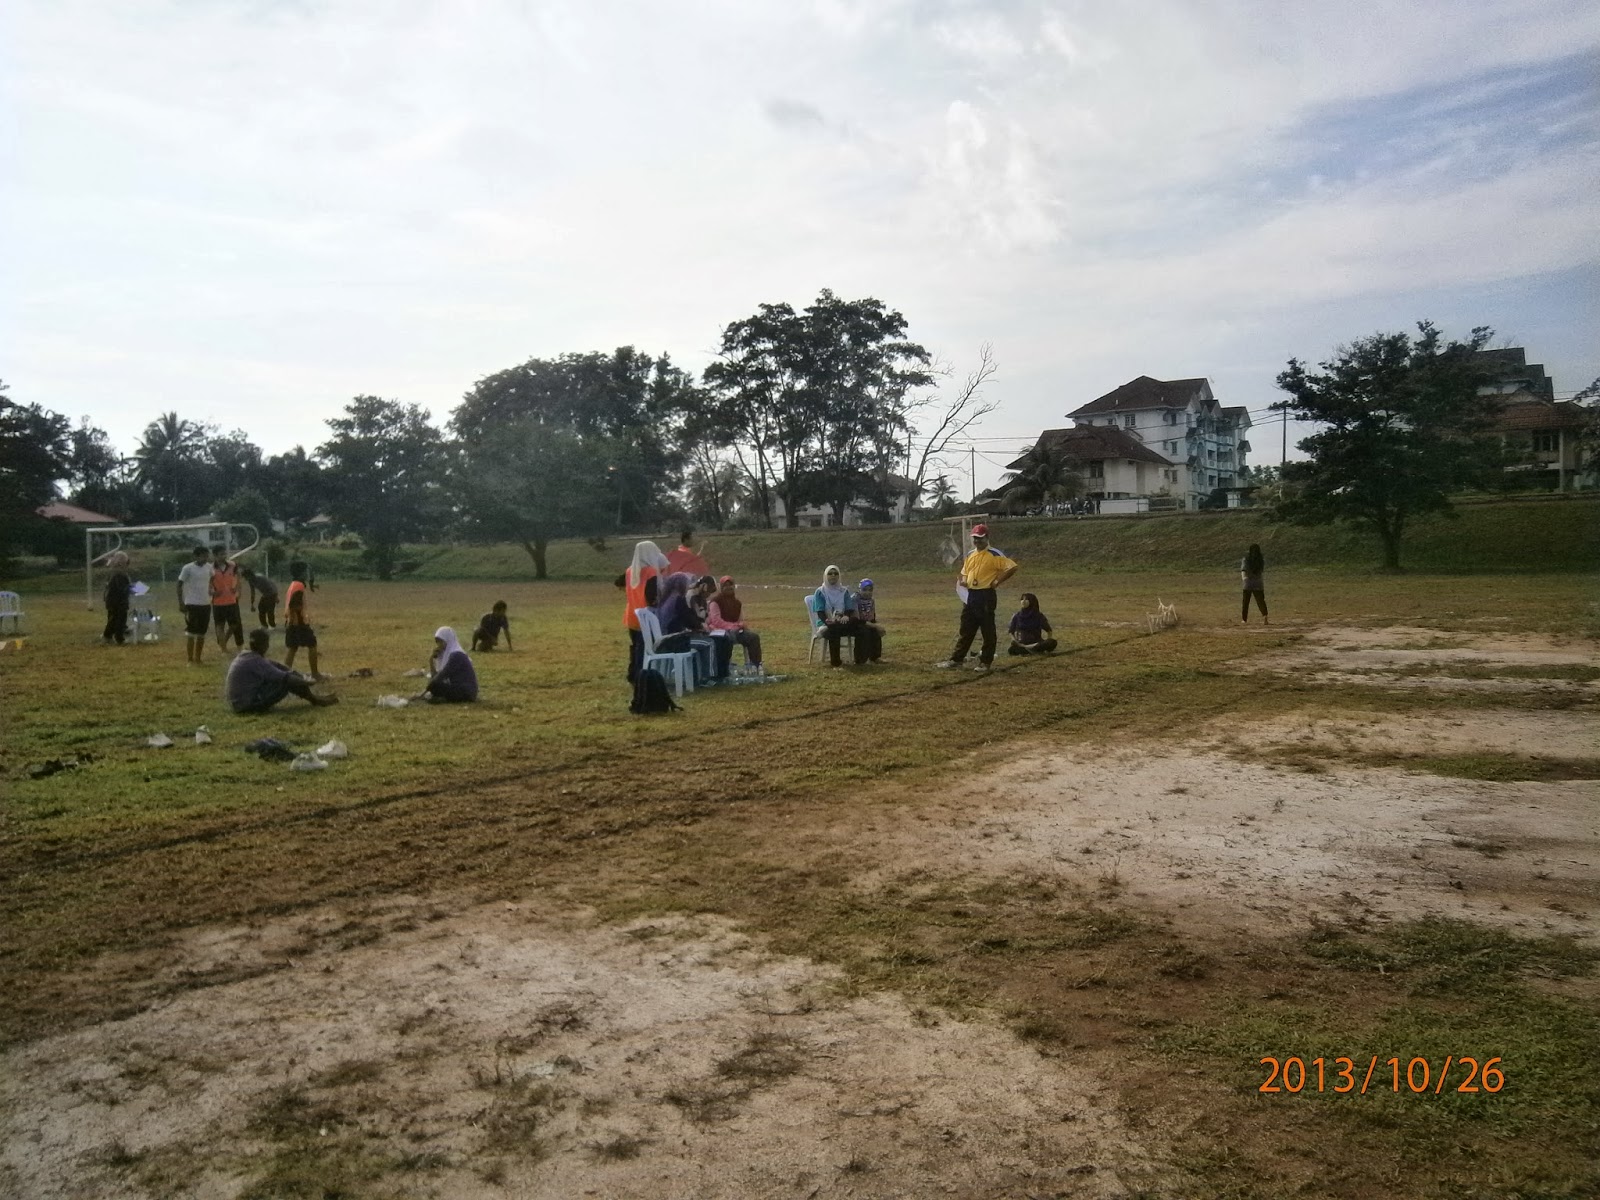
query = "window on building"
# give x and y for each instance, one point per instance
(1129, 420)
(1211, 481)
(1169, 447)
(1545, 441)
(1097, 470)
(1211, 456)
(1170, 417)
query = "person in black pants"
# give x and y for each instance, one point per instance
(118, 589)
(1251, 569)
(984, 570)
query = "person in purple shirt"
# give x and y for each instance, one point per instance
(1030, 628)
(676, 615)
(452, 681)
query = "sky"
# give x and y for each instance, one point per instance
(250, 211)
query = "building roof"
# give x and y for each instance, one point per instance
(1240, 415)
(1094, 443)
(1145, 392)
(60, 510)
(1524, 411)
(1510, 365)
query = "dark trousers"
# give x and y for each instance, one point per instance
(869, 643)
(116, 623)
(1261, 602)
(1042, 646)
(635, 653)
(977, 616)
(267, 614)
(742, 637)
(269, 691)
(843, 629)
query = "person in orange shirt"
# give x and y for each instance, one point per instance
(225, 599)
(640, 583)
(297, 631)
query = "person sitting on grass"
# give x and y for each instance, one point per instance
(869, 634)
(451, 679)
(255, 683)
(490, 626)
(1030, 628)
(835, 607)
(725, 619)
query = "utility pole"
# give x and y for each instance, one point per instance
(1283, 457)
(972, 471)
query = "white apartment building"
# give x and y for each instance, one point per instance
(1202, 443)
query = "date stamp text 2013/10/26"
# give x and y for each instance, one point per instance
(1415, 1076)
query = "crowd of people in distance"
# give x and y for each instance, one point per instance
(686, 611)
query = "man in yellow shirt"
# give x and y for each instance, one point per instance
(983, 571)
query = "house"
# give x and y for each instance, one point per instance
(1191, 445)
(60, 510)
(1116, 465)
(1540, 434)
(902, 493)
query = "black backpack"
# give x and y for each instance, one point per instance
(650, 693)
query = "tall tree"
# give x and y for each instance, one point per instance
(949, 419)
(96, 473)
(384, 465)
(35, 446)
(1402, 425)
(294, 486)
(170, 463)
(758, 405)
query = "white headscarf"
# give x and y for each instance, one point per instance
(117, 560)
(646, 554)
(451, 644)
(833, 594)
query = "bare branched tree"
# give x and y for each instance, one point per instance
(952, 417)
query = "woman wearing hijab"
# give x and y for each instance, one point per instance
(836, 612)
(452, 679)
(725, 619)
(676, 615)
(118, 589)
(1251, 569)
(640, 583)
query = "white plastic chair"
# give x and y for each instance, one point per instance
(819, 629)
(11, 610)
(680, 666)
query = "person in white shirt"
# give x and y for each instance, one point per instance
(194, 600)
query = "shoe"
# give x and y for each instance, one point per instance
(324, 701)
(983, 668)
(947, 664)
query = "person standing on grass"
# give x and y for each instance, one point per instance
(490, 626)
(255, 683)
(725, 619)
(1030, 628)
(297, 619)
(225, 599)
(263, 598)
(194, 601)
(119, 588)
(640, 584)
(451, 678)
(835, 607)
(1251, 569)
(869, 634)
(984, 570)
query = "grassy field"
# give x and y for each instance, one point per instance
(548, 782)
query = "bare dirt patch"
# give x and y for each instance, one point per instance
(1420, 658)
(1216, 843)
(505, 1050)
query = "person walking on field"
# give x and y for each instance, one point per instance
(263, 598)
(225, 599)
(194, 601)
(1251, 569)
(118, 588)
(297, 620)
(982, 573)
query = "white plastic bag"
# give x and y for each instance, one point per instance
(158, 741)
(413, 673)
(392, 702)
(333, 749)
(307, 762)
(202, 736)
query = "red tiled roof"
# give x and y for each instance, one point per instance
(60, 510)
(1521, 411)
(1145, 392)
(1095, 443)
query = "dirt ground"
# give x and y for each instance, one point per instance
(531, 1050)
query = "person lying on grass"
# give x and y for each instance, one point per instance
(451, 679)
(490, 626)
(255, 683)
(1030, 628)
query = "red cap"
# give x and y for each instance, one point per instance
(980, 531)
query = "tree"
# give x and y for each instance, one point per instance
(384, 465)
(532, 481)
(1402, 427)
(169, 461)
(712, 486)
(294, 485)
(951, 420)
(1046, 476)
(35, 447)
(249, 507)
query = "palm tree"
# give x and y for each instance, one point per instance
(166, 457)
(1046, 476)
